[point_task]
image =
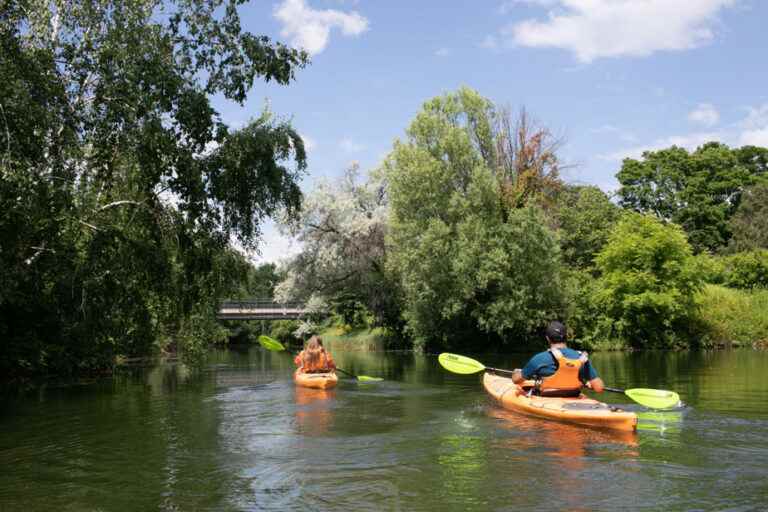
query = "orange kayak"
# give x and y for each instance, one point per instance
(579, 410)
(315, 380)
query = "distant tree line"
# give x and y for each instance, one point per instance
(123, 192)
(466, 236)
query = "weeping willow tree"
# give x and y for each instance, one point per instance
(120, 185)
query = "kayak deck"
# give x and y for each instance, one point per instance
(580, 410)
(316, 380)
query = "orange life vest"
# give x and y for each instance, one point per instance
(565, 380)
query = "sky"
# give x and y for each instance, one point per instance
(612, 77)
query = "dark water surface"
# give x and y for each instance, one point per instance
(239, 436)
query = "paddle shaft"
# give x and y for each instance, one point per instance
(346, 372)
(498, 370)
(615, 390)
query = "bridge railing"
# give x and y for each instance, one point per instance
(259, 304)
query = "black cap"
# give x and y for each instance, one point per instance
(556, 332)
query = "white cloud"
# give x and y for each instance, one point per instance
(443, 52)
(755, 127)
(310, 28)
(750, 131)
(593, 29)
(350, 146)
(757, 117)
(689, 142)
(754, 138)
(705, 114)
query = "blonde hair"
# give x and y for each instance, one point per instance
(313, 352)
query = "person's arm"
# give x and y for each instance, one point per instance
(329, 360)
(596, 385)
(593, 381)
(297, 359)
(528, 372)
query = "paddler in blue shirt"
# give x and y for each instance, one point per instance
(559, 371)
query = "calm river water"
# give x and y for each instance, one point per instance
(239, 436)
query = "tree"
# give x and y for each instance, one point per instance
(120, 184)
(585, 216)
(749, 224)
(648, 282)
(700, 191)
(342, 229)
(466, 258)
(526, 164)
(747, 269)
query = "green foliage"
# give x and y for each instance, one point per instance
(747, 269)
(710, 268)
(647, 285)
(732, 317)
(465, 261)
(260, 281)
(283, 330)
(585, 216)
(750, 222)
(119, 184)
(700, 191)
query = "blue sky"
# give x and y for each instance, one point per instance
(614, 77)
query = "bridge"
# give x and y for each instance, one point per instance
(260, 309)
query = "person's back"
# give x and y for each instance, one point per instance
(314, 358)
(559, 371)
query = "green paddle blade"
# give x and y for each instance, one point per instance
(270, 343)
(654, 398)
(365, 378)
(460, 364)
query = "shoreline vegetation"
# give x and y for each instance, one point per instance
(127, 202)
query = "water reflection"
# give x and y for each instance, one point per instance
(570, 443)
(314, 410)
(239, 435)
(664, 423)
(463, 460)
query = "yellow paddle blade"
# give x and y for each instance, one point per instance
(270, 343)
(654, 398)
(366, 378)
(459, 364)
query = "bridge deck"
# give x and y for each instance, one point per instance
(259, 310)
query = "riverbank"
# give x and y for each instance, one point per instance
(361, 338)
(734, 318)
(727, 318)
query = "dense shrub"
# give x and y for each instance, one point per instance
(747, 269)
(282, 330)
(710, 268)
(645, 294)
(732, 317)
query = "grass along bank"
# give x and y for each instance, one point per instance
(359, 338)
(733, 317)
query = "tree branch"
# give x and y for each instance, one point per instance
(118, 203)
